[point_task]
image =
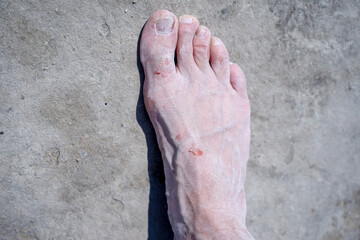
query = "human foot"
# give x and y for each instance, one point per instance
(201, 114)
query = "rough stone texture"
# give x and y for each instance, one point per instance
(78, 157)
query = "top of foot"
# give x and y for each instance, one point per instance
(201, 114)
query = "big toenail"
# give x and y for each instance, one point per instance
(201, 32)
(186, 19)
(164, 25)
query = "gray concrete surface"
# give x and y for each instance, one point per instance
(78, 157)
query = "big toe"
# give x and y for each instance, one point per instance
(158, 44)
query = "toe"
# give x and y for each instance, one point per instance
(238, 80)
(219, 60)
(187, 28)
(201, 47)
(158, 44)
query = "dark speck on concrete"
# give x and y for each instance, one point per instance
(1, 133)
(105, 103)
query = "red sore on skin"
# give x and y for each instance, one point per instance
(164, 74)
(178, 137)
(196, 151)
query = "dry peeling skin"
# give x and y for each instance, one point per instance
(72, 167)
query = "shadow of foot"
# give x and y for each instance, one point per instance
(159, 227)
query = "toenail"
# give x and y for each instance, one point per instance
(186, 19)
(164, 25)
(201, 32)
(216, 42)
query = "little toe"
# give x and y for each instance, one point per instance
(187, 28)
(158, 44)
(201, 46)
(238, 80)
(219, 60)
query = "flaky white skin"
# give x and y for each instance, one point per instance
(201, 115)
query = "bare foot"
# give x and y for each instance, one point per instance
(201, 114)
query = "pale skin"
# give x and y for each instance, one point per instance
(201, 114)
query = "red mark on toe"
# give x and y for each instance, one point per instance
(195, 151)
(178, 137)
(157, 73)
